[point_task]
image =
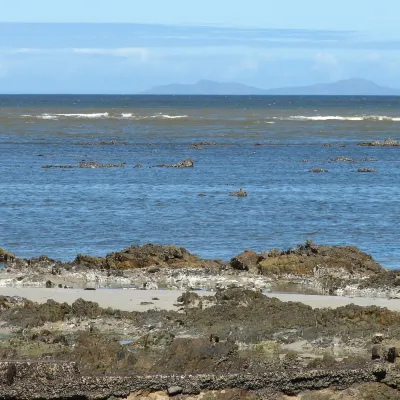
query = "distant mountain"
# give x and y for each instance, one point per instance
(348, 87)
(206, 87)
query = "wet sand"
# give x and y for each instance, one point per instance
(130, 300)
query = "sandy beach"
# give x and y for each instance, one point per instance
(130, 300)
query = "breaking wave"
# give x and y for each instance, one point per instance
(103, 115)
(376, 118)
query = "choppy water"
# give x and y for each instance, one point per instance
(63, 212)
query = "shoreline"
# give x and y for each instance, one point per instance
(131, 299)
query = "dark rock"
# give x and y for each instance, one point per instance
(246, 261)
(188, 298)
(174, 390)
(365, 170)
(49, 284)
(318, 170)
(89, 288)
(138, 166)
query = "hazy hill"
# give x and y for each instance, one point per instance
(340, 88)
(344, 87)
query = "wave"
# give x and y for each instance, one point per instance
(374, 118)
(103, 115)
(90, 115)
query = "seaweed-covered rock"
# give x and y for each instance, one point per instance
(187, 163)
(239, 193)
(246, 261)
(385, 143)
(5, 256)
(150, 255)
(307, 259)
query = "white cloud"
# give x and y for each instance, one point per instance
(124, 52)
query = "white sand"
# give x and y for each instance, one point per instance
(129, 299)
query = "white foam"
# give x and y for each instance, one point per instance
(47, 116)
(43, 116)
(166, 116)
(342, 118)
(90, 115)
(126, 115)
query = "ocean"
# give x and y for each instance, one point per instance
(264, 144)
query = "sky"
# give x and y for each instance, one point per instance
(127, 46)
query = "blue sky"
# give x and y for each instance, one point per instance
(125, 46)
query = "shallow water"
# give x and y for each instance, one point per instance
(63, 212)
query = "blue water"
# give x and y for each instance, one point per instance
(64, 212)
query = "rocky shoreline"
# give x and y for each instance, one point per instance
(230, 343)
(308, 268)
(236, 344)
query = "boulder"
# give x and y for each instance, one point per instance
(174, 390)
(246, 261)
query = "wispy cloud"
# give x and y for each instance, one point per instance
(127, 52)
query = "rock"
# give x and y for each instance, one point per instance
(239, 193)
(188, 163)
(365, 170)
(86, 164)
(318, 170)
(246, 261)
(6, 256)
(138, 166)
(174, 390)
(189, 298)
(49, 284)
(341, 158)
(386, 143)
(149, 255)
(378, 338)
(89, 288)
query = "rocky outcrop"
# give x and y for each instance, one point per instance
(247, 261)
(28, 381)
(386, 143)
(6, 256)
(239, 193)
(86, 164)
(188, 163)
(365, 170)
(316, 170)
(323, 269)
